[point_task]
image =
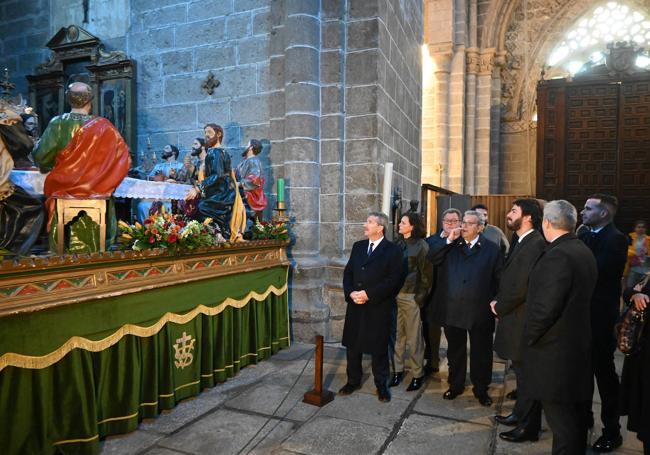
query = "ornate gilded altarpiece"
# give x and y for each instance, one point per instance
(78, 56)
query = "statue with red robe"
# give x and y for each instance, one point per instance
(86, 158)
(250, 178)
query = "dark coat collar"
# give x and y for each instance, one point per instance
(377, 251)
(563, 238)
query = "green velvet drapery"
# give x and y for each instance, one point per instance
(130, 357)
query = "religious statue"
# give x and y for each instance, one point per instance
(30, 123)
(196, 174)
(191, 162)
(18, 142)
(86, 158)
(21, 215)
(217, 190)
(168, 171)
(251, 179)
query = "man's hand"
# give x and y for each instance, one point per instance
(453, 235)
(359, 297)
(640, 301)
(493, 305)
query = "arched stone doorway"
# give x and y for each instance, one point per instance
(479, 95)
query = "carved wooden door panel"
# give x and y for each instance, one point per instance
(591, 141)
(551, 132)
(634, 140)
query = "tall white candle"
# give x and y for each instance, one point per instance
(388, 187)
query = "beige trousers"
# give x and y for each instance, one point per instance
(409, 336)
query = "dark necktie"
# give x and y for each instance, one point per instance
(370, 247)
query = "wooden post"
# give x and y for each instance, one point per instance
(318, 396)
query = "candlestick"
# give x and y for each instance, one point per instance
(280, 190)
(388, 184)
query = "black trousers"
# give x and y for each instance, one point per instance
(528, 412)
(431, 333)
(568, 424)
(380, 370)
(603, 348)
(480, 357)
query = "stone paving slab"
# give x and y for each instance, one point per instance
(425, 434)
(329, 435)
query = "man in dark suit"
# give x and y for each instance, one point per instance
(466, 283)
(372, 279)
(525, 220)
(609, 247)
(556, 357)
(450, 221)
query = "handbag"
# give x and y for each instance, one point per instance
(630, 330)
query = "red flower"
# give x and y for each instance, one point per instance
(147, 221)
(172, 238)
(152, 239)
(181, 224)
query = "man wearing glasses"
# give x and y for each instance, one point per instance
(467, 281)
(431, 330)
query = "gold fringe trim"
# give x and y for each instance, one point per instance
(76, 342)
(72, 441)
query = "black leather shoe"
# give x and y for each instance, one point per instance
(519, 434)
(348, 388)
(429, 370)
(396, 379)
(451, 394)
(383, 394)
(484, 399)
(606, 444)
(509, 420)
(512, 395)
(415, 384)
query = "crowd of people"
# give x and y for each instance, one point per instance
(552, 295)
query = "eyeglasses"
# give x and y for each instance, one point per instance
(471, 223)
(450, 221)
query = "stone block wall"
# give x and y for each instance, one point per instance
(24, 31)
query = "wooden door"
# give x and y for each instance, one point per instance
(594, 137)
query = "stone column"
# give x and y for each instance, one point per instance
(472, 61)
(495, 123)
(442, 71)
(482, 147)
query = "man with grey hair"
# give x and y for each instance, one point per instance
(556, 357)
(372, 279)
(450, 220)
(467, 281)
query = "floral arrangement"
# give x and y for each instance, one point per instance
(166, 230)
(270, 230)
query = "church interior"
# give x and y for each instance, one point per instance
(357, 106)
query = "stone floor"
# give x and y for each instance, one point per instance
(261, 412)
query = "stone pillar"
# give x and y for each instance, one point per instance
(442, 71)
(482, 148)
(472, 60)
(495, 124)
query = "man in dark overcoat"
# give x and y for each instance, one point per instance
(467, 281)
(432, 332)
(372, 279)
(609, 247)
(556, 358)
(525, 220)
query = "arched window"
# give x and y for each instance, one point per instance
(585, 44)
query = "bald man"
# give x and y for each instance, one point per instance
(85, 155)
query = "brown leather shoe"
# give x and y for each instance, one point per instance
(383, 394)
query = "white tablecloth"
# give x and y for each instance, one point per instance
(33, 182)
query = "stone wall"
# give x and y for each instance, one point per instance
(24, 30)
